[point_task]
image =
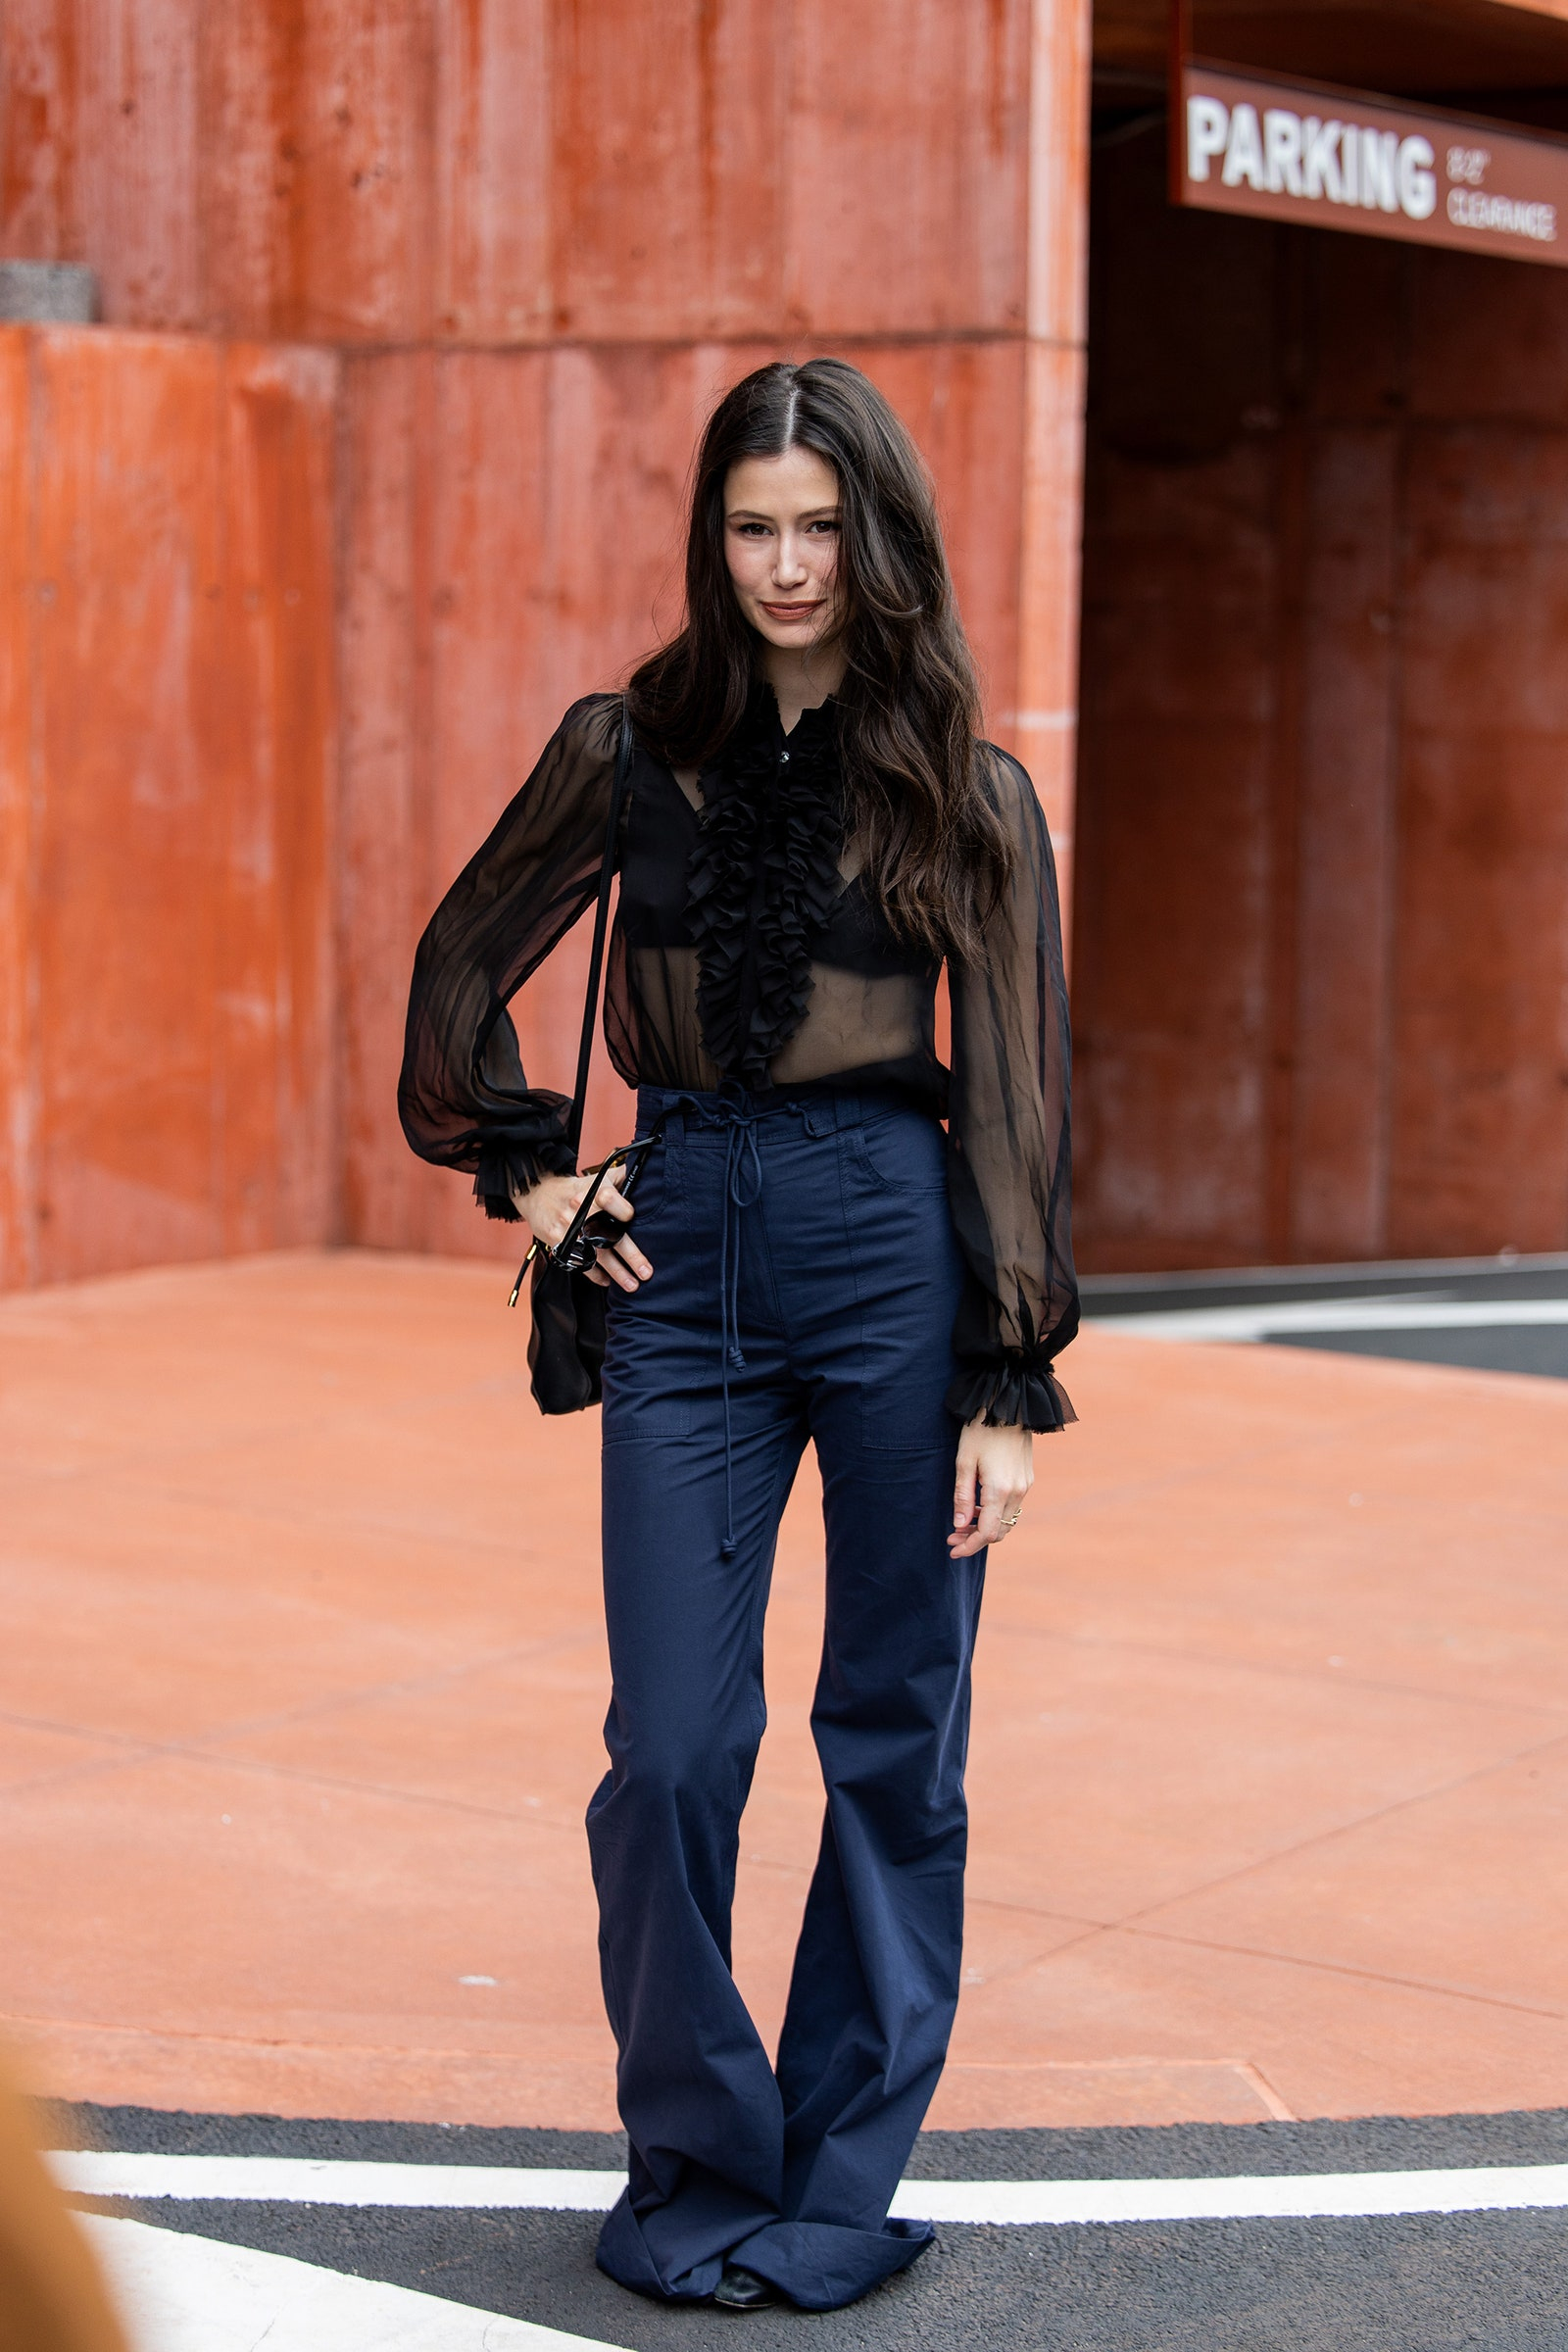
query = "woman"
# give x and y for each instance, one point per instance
(811, 830)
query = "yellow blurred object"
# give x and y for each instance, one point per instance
(52, 2298)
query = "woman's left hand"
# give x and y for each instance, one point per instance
(996, 1471)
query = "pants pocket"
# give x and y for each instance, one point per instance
(646, 1376)
(901, 1152)
(632, 1411)
(908, 1278)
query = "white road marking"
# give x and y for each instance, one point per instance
(308, 2181)
(1337, 1314)
(1480, 2188)
(177, 2293)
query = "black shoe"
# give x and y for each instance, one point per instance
(742, 2290)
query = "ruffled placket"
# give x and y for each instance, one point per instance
(762, 882)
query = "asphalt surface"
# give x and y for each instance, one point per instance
(1540, 1350)
(1416, 2283)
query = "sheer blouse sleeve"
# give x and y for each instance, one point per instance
(462, 1098)
(1008, 1127)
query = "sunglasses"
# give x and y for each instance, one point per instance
(579, 1246)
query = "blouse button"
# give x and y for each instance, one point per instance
(784, 758)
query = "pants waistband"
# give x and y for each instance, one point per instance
(821, 1111)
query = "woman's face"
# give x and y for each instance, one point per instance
(781, 541)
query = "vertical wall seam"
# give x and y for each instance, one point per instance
(1286, 757)
(336, 1139)
(425, 457)
(31, 1187)
(219, 779)
(1393, 767)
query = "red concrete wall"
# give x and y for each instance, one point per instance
(516, 171)
(167, 751)
(542, 235)
(1322, 975)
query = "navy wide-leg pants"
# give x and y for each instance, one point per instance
(805, 1277)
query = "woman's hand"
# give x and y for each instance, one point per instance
(550, 1206)
(996, 1471)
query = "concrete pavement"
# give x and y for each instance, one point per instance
(301, 1679)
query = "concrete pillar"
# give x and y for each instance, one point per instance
(1045, 720)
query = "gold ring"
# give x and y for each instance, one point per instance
(1013, 1521)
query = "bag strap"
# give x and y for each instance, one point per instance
(596, 958)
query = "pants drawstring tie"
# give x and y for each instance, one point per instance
(743, 1189)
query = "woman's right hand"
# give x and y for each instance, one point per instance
(550, 1206)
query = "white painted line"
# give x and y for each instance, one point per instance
(1246, 2198)
(1337, 1314)
(177, 2293)
(305, 2181)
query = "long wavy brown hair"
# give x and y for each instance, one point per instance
(934, 851)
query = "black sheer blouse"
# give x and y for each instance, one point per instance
(747, 948)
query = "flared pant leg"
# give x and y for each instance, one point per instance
(695, 2088)
(877, 1969)
(846, 1297)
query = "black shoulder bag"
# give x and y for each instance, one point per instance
(567, 1346)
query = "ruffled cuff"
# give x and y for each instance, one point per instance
(1022, 1392)
(507, 1168)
